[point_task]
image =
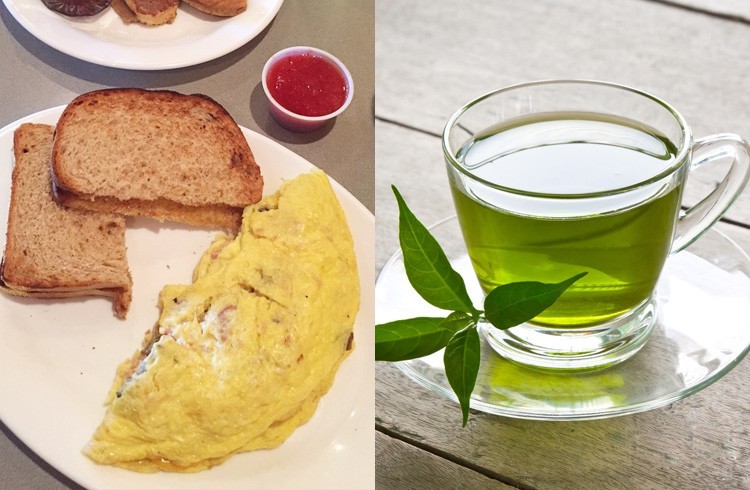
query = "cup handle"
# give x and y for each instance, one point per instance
(693, 222)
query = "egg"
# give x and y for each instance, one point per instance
(240, 357)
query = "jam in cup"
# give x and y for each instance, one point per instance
(306, 87)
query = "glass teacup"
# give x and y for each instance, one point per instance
(554, 178)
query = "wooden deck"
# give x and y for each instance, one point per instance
(434, 56)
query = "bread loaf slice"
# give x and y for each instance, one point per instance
(155, 153)
(51, 251)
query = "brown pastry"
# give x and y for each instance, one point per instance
(222, 8)
(154, 12)
(122, 9)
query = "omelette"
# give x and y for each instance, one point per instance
(240, 357)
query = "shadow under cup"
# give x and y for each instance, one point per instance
(551, 179)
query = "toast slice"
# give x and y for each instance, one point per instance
(54, 252)
(154, 153)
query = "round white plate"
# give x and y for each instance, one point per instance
(194, 37)
(59, 357)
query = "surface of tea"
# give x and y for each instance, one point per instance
(568, 156)
(623, 251)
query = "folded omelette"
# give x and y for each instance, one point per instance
(240, 358)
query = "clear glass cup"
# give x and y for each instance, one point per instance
(555, 178)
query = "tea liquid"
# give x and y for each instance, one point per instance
(623, 250)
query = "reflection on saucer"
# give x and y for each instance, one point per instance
(510, 383)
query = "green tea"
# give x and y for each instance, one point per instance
(622, 245)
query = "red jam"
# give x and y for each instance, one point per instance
(307, 84)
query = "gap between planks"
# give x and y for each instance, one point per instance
(690, 8)
(450, 457)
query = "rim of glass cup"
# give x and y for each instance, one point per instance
(679, 159)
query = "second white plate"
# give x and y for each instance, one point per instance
(103, 39)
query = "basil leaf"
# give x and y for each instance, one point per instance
(427, 267)
(512, 304)
(409, 339)
(461, 361)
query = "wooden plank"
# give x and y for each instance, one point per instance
(699, 442)
(414, 163)
(432, 57)
(400, 465)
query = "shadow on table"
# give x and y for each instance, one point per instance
(52, 471)
(259, 109)
(117, 77)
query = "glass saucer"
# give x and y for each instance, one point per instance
(702, 331)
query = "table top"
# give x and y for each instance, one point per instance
(34, 77)
(434, 56)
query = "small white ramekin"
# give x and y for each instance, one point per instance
(298, 122)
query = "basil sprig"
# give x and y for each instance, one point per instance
(432, 276)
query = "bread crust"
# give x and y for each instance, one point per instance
(121, 297)
(149, 146)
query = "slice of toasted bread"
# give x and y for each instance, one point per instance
(222, 8)
(152, 12)
(52, 251)
(154, 153)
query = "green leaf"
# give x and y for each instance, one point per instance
(457, 321)
(409, 339)
(427, 267)
(512, 304)
(416, 337)
(461, 361)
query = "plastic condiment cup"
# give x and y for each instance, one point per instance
(298, 122)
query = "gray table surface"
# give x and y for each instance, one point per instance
(34, 76)
(433, 56)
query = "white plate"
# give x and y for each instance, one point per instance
(59, 358)
(194, 37)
